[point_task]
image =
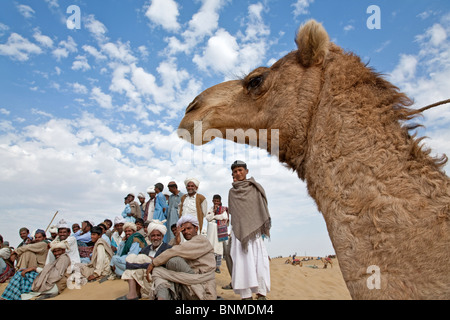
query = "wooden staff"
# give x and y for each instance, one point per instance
(51, 221)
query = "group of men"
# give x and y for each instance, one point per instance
(157, 264)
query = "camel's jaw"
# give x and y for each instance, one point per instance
(192, 131)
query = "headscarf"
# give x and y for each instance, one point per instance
(62, 224)
(188, 218)
(195, 181)
(157, 225)
(118, 220)
(59, 245)
(130, 225)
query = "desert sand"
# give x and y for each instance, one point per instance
(288, 282)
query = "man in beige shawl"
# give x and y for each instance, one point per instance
(250, 222)
(51, 281)
(101, 257)
(33, 254)
(189, 271)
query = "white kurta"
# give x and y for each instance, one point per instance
(251, 269)
(212, 230)
(72, 252)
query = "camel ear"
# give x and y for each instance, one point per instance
(312, 41)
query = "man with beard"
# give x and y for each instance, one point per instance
(193, 203)
(187, 270)
(70, 241)
(137, 264)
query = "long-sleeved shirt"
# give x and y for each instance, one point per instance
(85, 237)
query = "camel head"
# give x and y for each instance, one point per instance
(264, 99)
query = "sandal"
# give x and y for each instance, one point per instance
(227, 287)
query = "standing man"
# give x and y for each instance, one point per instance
(193, 203)
(142, 203)
(150, 205)
(160, 203)
(132, 210)
(217, 231)
(250, 222)
(172, 211)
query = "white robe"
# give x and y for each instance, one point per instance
(212, 230)
(251, 269)
(72, 252)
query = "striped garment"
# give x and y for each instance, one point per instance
(18, 285)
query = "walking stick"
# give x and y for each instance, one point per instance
(51, 221)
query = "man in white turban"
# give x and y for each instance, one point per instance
(149, 205)
(136, 265)
(186, 271)
(118, 234)
(193, 203)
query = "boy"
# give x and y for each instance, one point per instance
(250, 222)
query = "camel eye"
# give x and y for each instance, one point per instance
(254, 82)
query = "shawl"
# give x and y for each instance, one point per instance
(247, 204)
(108, 251)
(222, 229)
(51, 274)
(135, 237)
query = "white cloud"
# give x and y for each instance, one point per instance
(301, 7)
(221, 53)
(102, 99)
(119, 51)
(81, 63)
(238, 54)
(42, 39)
(94, 52)
(203, 23)
(164, 13)
(97, 28)
(79, 88)
(65, 48)
(25, 11)
(19, 48)
(52, 3)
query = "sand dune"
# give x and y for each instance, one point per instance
(288, 282)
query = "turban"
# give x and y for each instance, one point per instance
(53, 229)
(188, 218)
(118, 220)
(195, 181)
(130, 225)
(151, 190)
(59, 245)
(141, 195)
(62, 224)
(39, 231)
(157, 225)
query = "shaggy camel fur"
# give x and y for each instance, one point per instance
(385, 201)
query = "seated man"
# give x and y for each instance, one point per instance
(33, 254)
(6, 265)
(49, 280)
(117, 233)
(133, 242)
(137, 265)
(83, 235)
(189, 272)
(100, 259)
(70, 241)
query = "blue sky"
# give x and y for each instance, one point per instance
(88, 115)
